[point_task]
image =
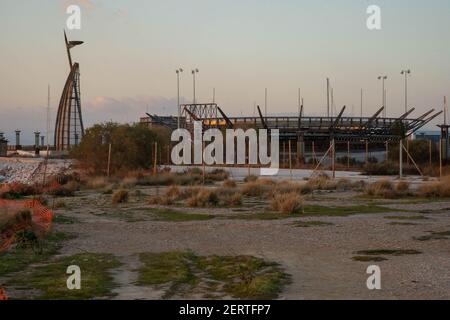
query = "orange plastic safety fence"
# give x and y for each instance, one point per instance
(3, 295)
(42, 219)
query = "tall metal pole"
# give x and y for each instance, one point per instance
(193, 75)
(383, 94)
(328, 97)
(179, 107)
(400, 157)
(194, 87)
(406, 92)
(179, 71)
(265, 102)
(406, 73)
(48, 116)
(362, 92)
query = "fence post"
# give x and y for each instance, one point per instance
(431, 151)
(314, 153)
(109, 161)
(155, 170)
(440, 158)
(407, 150)
(367, 151)
(401, 159)
(348, 154)
(290, 159)
(387, 151)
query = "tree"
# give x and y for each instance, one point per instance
(132, 147)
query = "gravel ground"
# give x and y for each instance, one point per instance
(318, 258)
(29, 170)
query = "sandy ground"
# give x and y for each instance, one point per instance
(319, 259)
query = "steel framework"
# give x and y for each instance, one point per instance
(69, 128)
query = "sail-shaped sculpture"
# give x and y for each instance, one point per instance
(69, 127)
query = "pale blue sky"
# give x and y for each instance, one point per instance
(134, 46)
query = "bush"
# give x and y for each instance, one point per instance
(204, 198)
(233, 200)
(18, 190)
(440, 189)
(229, 184)
(250, 178)
(258, 188)
(120, 196)
(132, 147)
(57, 190)
(402, 187)
(381, 188)
(217, 175)
(97, 183)
(288, 203)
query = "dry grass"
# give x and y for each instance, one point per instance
(97, 182)
(440, 189)
(258, 188)
(288, 203)
(229, 184)
(381, 188)
(203, 199)
(229, 196)
(120, 196)
(402, 187)
(289, 187)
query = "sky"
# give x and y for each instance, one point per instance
(133, 47)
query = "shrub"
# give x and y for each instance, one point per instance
(120, 196)
(97, 183)
(250, 178)
(229, 184)
(380, 188)
(229, 196)
(217, 175)
(18, 190)
(129, 182)
(173, 192)
(402, 187)
(258, 188)
(440, 189)
(287, 187)
(288, 203)
(162, 201)
(322, 182)
(233, 200)
(204, 198)
(57, 190)
(132, 147)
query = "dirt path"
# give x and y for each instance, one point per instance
(318, 258)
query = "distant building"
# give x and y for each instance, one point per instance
(428, 135)
(154, 121)
(3, 147)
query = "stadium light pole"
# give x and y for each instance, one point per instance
(406, 73)
(194, 72)
(179, 71)
(383, 97)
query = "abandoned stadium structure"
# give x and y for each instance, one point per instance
(307, 135)
(69, 127)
